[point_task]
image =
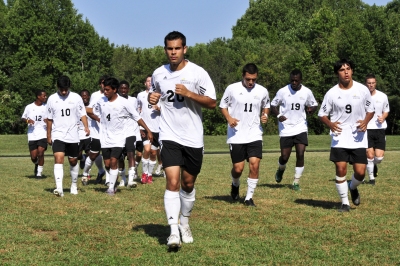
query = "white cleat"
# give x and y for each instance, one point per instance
(122, 183)
(74, 190)
(174, 241)
(132, 184)
(58, 192)
(186, 234)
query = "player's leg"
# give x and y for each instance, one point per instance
(254, 155)
(370, 163)
(121, 170)
(33, 151)
(113, 166)
(58, 152)
(72, 151)
(359, 160)
(380, 146)
(299, 169)
(152, 163)
(238, 157)
(340, 157)
(41, 148)
(145, 160)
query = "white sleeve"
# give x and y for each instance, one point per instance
(25, 114)
(206, 86)
(277, 99)
(311, 100)
(226, 98)
(326, 106)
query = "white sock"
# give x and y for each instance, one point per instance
(131, 174)
(145, 166)
(99, 163)
(159, 167)
(59, 175)
(39, 170)
(281, 166)
(354, 182)
(113, 178)
(108, 176)
(251, 187)
(370, 169)
(235, 181)
(172, 204)
(378, 160)
(187, 203)
(298, 172)
(343, 191)
(74, 171)
(88, 165)
(152, 164)
(122, 174)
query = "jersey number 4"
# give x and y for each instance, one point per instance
(171, 97)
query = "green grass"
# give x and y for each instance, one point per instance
(286, 227)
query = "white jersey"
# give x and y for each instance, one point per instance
(65, 111)
(181, 118)
(381, 104)
(113, 117)
(38, 114)
(246, 106)
(81, 129)
(292, 104)
(149, 115)
(348, 107)
(94, 126)
(131, 127)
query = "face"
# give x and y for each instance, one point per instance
(63, 92)
(102, 86)
(42, 97)
(175, 51)
(85, 98)
(249, 80)
(123, 90)
(345, 74)
(109, 92)
(295, 82)
(371, 84)
(147, 83)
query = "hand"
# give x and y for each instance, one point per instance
(30, 122)
(233, 122)
(150, 136)
(335, 127)
(381, 119)
(282, 118)
(87, 131)
(180, 89)
(49, 141)
(154, 97)
(362, 125)
(264, 118)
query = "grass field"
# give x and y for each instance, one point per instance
(286, 227)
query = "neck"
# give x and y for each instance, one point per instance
(176, 67)
(38, 103)
(112, 98)
(346, 86)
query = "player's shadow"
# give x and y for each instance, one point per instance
(276, 185)
(226, 198)
(318, 203)
(157, 231)
(36, 177)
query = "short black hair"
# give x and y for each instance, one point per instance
(370, 76)
(39, 92)
(103, 78)
(174, 35)
(342, 62)
(111, 82)
(250, 68)
(296, 72)
(124, 82)
(84, 90)
(63, 82)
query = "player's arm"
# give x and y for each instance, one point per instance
(364, 123)
(204, 101)
(85, 125)
(153, 98)
(232, 122)
(333, 126)
(28, 121)
(49, 128)
(143, 124)
(264, 115)
(311, 109)
(90, 113)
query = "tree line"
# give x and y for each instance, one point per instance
(42, 39)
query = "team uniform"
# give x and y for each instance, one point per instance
(294, 130)
(181, 135)
(65, 112)
(37, 133)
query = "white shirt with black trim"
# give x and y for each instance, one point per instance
(245, 105)
(149, 115)
(94, 126)
(38, 114)
(348, 107)
(181, 118)
(381, 104)
(292, 104)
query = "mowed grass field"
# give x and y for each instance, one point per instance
(286, 227)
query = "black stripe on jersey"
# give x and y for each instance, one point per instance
(324, 108)
(368, 103)
(226, 100)
(202, 90)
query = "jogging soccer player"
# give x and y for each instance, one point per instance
(182, 88)
(290, 105)
(350, 108)
(95, 145)
(376, 128)
(35, 116)
(84, 140)
(112, 112)
(65, 108)
(245, 105)
(151, 115)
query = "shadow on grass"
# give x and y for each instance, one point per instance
(276, 185)
(318, 203)
(157, 231)
(36, 177)
(226, 198)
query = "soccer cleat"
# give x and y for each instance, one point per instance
(372, 182)
(149, 179)
(279, 175)
(74, 190)
(174, 241)
(186, 234)
(132, 184)
(249, 203)
(35, 171)
(159, 171)
(122, 182)
(144, 179)
(234, 192)
(110, 192)
(296, 186)
(375, 170)
(99, 178)
(355, 196)
(344, 208)
(85, 180)
(58, 192)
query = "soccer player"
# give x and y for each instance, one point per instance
(376, 128)
(245, 105)
(84, 140)
(112, 112)
(290, 106)
(132, 134)
(350, 108)
(35, 117)
(151, 115)
(95, 146)
(65, 108)
(182, 88)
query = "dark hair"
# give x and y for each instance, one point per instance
(103, 78)
(296, 72)
(124, 82)
(342, 62)
(370, 76)
(111, 82)
(174, 35)
(84, 90)
(148, 76)
(250, 68)
(63, 82)
(39, 92)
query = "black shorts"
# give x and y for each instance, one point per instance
(130, 144)
(69, 149)
(95, 146)
(175, 154)
(155, 142)
(34, 144)
(376, 139)
(241, 152)
(84, 145)
(111, 153)
(349, 155)
(139, 146)
(289, 142)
